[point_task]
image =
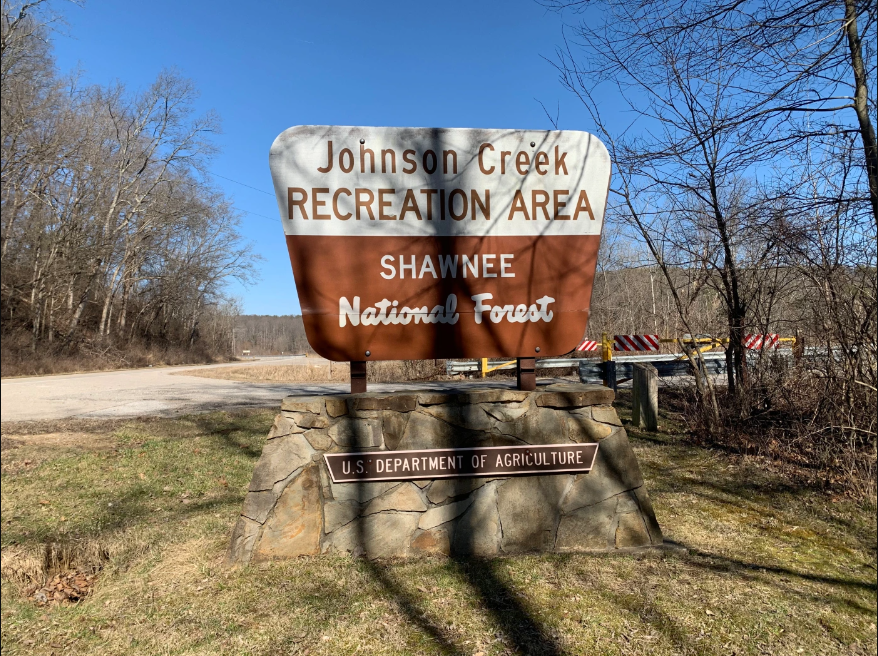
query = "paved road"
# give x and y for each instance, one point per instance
(134, 392)
(138, 392)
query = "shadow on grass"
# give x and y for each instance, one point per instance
(231, 428)
(718, 563)
(410, 606)
(121, 511)
(117, 507)
(747, 484)
(520, 629)
(737, 574)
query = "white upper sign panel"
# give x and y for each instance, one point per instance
(422, 182)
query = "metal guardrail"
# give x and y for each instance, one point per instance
(667, 367)
(474, 366)
(460, 366)
(668, 364)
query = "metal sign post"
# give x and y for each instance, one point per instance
(358, 376)
(527, 377)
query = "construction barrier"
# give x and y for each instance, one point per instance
(636, 343)
(757, 342)
(588, 345)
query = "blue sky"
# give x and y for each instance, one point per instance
(266, 66)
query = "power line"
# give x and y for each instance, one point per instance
(268, 218)
(262, 216)
(243, 184)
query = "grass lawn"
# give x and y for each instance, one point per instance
(763, 566)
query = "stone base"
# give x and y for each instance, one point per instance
(292, 507)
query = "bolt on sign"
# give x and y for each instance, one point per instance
(414, 243)
(461, 463)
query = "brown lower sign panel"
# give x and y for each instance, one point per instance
(380, 295)
(461, 463)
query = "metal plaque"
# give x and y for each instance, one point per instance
(461, 463)
(414, 243)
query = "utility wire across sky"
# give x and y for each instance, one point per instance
(268, 218)
(243, 184)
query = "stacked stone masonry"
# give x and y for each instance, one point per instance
(292, 507)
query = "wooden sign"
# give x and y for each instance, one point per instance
(412, 243)
(461, 463)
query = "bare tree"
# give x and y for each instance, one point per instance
(110, 230)
(748, 168)
(803, 69)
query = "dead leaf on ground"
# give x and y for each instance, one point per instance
(70, 586)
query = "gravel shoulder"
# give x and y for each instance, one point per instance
(130, 393)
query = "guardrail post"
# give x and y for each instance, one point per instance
(527, 377)
(644, 407)
(798, 348)
(358, 376)
(609, 374)
(606, 348)
(607, 356)
(484, 367)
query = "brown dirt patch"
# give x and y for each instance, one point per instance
(79, 441)
(24, 452)
(44, 426)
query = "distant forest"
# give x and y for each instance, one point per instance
(264, 334)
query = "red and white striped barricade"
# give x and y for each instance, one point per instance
(588, 345)
(636, 343)
(757, 342)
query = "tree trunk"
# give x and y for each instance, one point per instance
(83, 300)
(123, 313)
(861, 104)
(193, 333)
(106, 312)
(37, 301)
(50, 320)
(730, 364)
(736, 344)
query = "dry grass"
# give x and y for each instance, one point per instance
(391, 371)
(263, 373)
(19, 360)
(768, 567)
(816, 422)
